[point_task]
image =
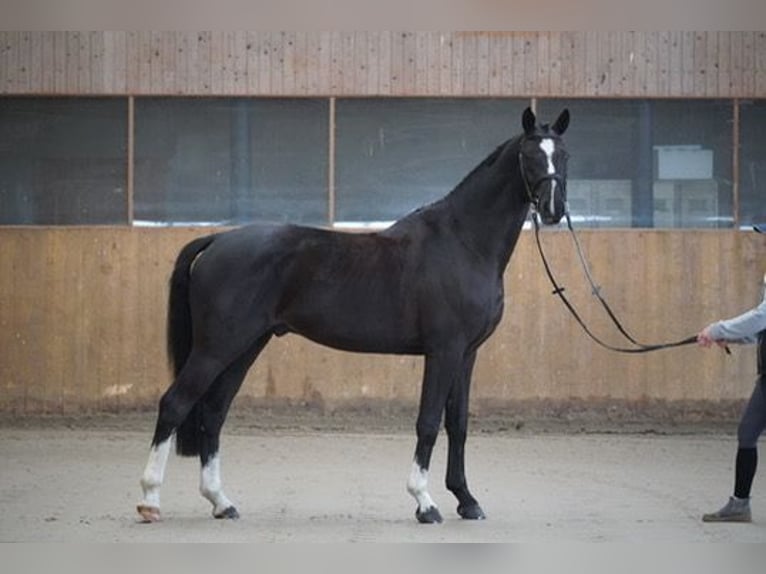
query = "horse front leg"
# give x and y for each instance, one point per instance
(438, 378)
(456, 423)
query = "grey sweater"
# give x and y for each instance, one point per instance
(749, 327)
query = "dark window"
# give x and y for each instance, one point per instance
(752, 164)
(394, 155)
(231, 161)
(63, 161)
(649, 163)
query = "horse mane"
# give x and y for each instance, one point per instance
(477, 172)
(488, 161)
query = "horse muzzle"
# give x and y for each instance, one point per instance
(551, 200)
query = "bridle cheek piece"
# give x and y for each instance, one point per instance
(534, 197)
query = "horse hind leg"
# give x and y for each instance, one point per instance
(213, 409)
(191, 384)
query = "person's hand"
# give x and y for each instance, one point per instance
(705, 340)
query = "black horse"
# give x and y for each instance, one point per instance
(431, 284)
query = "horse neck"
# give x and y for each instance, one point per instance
(490, 206)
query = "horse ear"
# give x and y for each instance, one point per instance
(562, 123)
(528, 121)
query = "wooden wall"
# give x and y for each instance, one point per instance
(625, 64)
(82, 325)
(82, 309)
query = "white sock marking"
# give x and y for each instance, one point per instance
(154, 473)
(417, 486)
(210, 485)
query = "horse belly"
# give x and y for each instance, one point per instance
(353, 320)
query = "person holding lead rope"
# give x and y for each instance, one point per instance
(749, 327)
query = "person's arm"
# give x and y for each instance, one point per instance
(743, 328)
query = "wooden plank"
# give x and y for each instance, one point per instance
(700, 64)
(555, 58)
(373, 63)
(325, 63)
(483, 70)
(592, 71)
(614, 55)
(99, 83)
(238, 46)
(530, 64)
(409, 65)
(543, 65)
(664, 40)
(37, 63)
(505, 48)
(649, 79)
(47, 69)
(264, 64)
(712, 88)
(23, 62)
(687, 63)
(182, 50)
(579, 64)
(144, 71)
(132, 62)
(348, 63)
(288, 62)
(335, 69)
(429, 53)
(748, 68)
(397, 63)
(5, 67)
(170, 63)
(252, 47)
(468, 64)
(114, 62)
(217, 59)
(445, 40)
(723, 64)
(205, 53)
(423, 76)
(676, 59)
(71, 75)
(735, 64)
(157, 71)
(456, 75)
(300, 63)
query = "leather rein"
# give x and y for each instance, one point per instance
(558, 290)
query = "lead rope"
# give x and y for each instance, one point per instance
(559, 291)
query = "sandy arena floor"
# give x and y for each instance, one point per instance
(76, 483)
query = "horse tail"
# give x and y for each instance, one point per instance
(179, 339)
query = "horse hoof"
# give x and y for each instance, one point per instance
(430, 516)
(471, 512)
(230, 513)
(148, 513)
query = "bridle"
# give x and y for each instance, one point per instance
(558, 290)
(531, 189)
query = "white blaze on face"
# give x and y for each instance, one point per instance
(547, 146)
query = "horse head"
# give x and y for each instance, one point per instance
(543, 165)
